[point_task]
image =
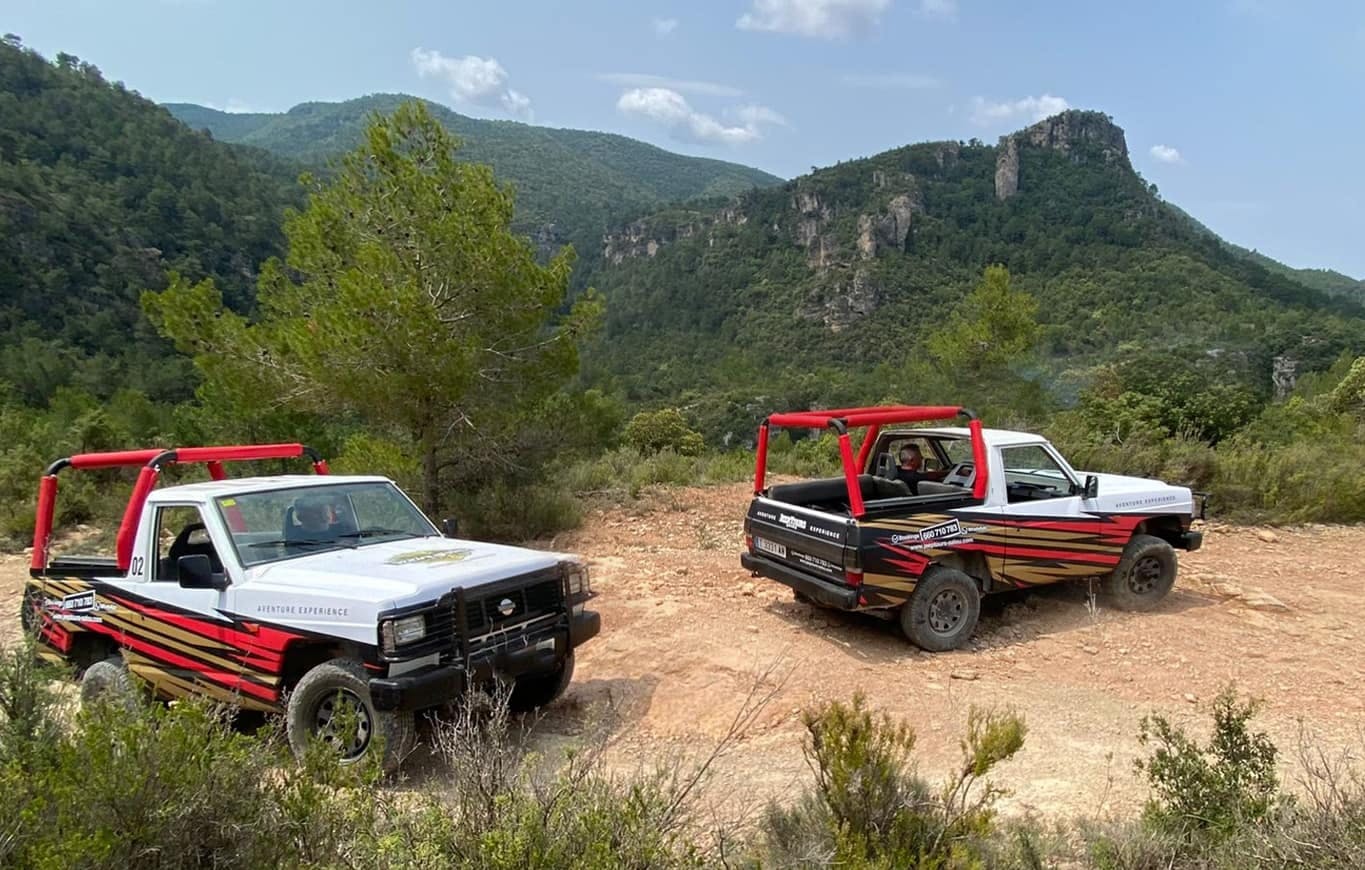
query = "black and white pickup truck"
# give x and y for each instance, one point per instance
(327, 598)
(978, 511)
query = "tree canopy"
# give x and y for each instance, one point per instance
(405, 301)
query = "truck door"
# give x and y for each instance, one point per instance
(1050, 532)
(183, 647)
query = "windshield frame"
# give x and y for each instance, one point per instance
(341, 542)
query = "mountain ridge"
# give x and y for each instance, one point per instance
(780, 278)
(572, 185)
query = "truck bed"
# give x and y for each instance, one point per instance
(881, 497)
(84, 567)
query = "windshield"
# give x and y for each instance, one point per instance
(283, 523)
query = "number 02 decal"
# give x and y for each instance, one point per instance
(136, 568)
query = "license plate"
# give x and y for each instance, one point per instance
(770, 547)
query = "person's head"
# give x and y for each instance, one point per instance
(311, 514)
(910, 454)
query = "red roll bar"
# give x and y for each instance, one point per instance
(151, 461)
(841, 420)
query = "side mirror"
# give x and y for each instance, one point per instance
(450, 527)
(196, 572)
(1092, 486)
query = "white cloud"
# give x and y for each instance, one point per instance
(664, 26)
(754, 115)
(682, 86)
(986, 112)
(891, 81)
(946, 9)
(671, 110)
(479, 81)
(827, 19)
(1166, 154)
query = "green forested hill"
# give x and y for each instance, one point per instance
(572, 185)
(816, 289)
(1326, 280)
(101, 192)
(827, 285)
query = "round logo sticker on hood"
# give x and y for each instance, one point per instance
(427, 557)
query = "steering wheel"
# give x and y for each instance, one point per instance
(962, 474)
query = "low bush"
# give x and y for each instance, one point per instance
(517, 512)
(870, 808)
(153, 786)
(1215, 789)
(666, 429)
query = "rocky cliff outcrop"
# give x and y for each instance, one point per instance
(644, 238)
(1080, 136)
(889, 230)
(1007, 168)
(844, 302)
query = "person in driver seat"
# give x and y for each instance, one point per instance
(911, 468)
(314, 518)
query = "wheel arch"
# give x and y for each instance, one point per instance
(88, 647)
(973, 564)
(1167, 527)
(301, 656)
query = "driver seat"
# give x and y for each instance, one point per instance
(885, 467)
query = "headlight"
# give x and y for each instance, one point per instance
(398, 632)
(578, 581)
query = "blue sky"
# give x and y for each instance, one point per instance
(1250, 114)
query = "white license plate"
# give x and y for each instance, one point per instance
(770, 547)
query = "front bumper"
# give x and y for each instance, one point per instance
(435, 685)
(818, 590)
(1191, 540)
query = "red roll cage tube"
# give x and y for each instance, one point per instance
(151, 461)
(873, 418)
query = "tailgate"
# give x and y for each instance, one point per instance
(798, 538)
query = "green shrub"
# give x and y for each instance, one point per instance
(1215, 788)
(650, 432)
(868, 806)
(508, 512)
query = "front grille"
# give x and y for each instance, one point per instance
(531, 596)
(483, 611)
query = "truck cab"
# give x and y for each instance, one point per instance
(303, 594)
(976, 511)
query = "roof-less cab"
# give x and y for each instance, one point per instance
(331, 599)
(923, 522)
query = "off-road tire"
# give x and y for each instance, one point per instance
(1144, 575)
(319, 696)
(108, 681)
(534, 691)
(29, 617)
(942, 611)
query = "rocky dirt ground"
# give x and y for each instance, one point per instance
(688, 635)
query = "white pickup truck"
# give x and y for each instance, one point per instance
(331, 599)
(924, 522)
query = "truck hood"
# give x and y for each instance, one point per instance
(398, 573)
(1123, 494)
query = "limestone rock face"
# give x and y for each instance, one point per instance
(887, 231)
(1075, 134)
(645, 239)
(844, 303)
(814, 218)
(1007, 168)
(1284, 374)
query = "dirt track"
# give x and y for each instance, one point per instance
(686, 630)
(687, 633)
